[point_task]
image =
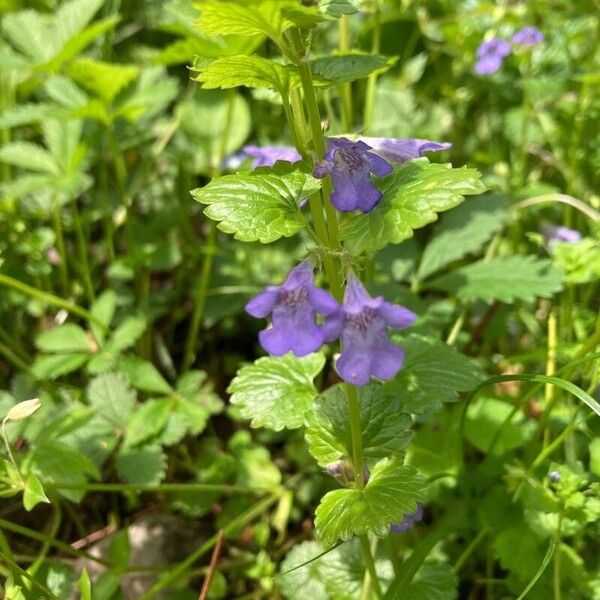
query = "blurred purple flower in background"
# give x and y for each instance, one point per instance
(528, 36)
(408, 522)
(491, 55)
(267, 156)
(363, 327)
(350, 165)
(293, 307)
(558, 233)
(403, 150)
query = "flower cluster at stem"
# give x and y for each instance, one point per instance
(491, 53)
(361, 324)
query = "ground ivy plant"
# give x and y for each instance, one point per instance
(348, 196)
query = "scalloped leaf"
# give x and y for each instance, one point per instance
(506, 278)
(242, 70)
(433, 373)
(258, 206)
(412, 197)
(392, 492)
(384, 427)
(276, 392)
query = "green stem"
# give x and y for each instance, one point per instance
(211, 249)
(13, 358)
(60, 246)
(160, 488)
(55, 524)
(51, 299)
(13, 566)
(462, 559)
(41, 537)
(234, 524)
(557, 557)
(83, 257)
(107, 217)
(354, 414)
(368, 555)
(372, 80)
(7, 97)
(346, 88)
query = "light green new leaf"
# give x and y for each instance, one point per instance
(249, 71)
(55, 365)
(255, 17)
(103, 309)
(463, 231)
(412, 197)
(340, 68)
(33, 493)
(433, 373)
(148, 420)
(258, 206)
(103, 79)
(143, 375)
(126, 334)
(65, 338)
(111, 394)
(145, 466)
(275, 392)
(29, 156)
(85, 586)
(384, 427)
(392, 492)
(506, 278)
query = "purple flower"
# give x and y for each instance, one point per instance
(403, 150)
(267, 156)
(528, 36)
(350, 165)
(491, 55)
(293, 307)
(363, 327)
(558, 233)
(408, 522)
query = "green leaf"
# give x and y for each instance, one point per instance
(258, 206)
(148, 420)
(58, 463)
(485, 416)
(433, 581)
(384, 427)
(412, 197)
(111, 395)
(506, 279)
(29, 156)
(275, 392)
(433, 373)
(143, 375)
(392, 492)
(463, 231)
(103, 309)
(103, 79)
(56, 365)
(337, 8)
(66, 338)
(254, 17)
(594, 449)
(84, 585)
(518, 551)
(341, 68)
(126, 334)
(144, 466)
(249, 71)
(25, 114)
(305, 582)
(33, 493)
